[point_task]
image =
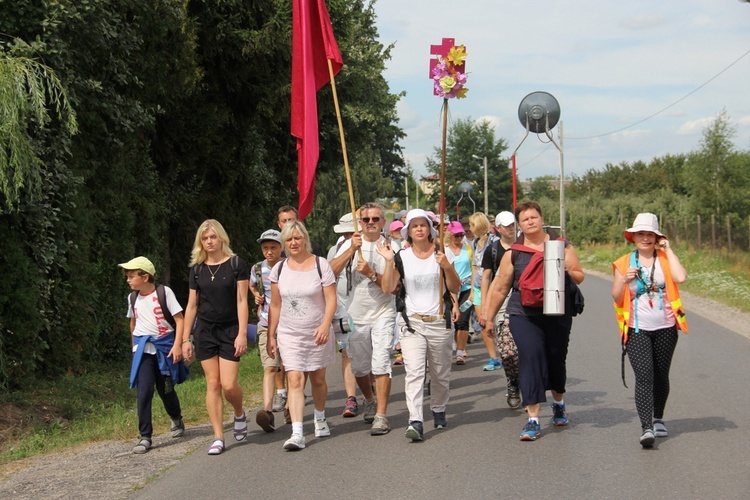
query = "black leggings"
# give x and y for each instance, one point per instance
(650, 354)
(149, 377)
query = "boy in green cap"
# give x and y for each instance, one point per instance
(156, 335)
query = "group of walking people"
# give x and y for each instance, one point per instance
(381, 289)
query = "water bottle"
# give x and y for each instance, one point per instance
(465, 306)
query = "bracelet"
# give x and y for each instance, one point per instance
(186, 341)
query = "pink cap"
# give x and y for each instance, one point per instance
(395, 225)
(455, 227)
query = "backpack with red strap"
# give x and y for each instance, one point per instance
(531, 280)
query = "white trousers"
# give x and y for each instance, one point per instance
(428, 347)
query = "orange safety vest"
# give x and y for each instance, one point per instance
(622, 308)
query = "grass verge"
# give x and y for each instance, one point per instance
(99, 406)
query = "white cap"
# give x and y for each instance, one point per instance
(505, 219)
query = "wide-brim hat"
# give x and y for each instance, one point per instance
(416, 214)
(643, 222)
(345, 225)
(139, 263)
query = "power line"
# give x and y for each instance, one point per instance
(663, 110)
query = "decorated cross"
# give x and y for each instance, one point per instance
(440, 50)
(448, 69)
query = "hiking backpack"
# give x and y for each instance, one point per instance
(161, 296)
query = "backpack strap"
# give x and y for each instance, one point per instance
(161, 294)
(317, 264)
(495, 263)
(234, 261)
(196, 270)
(401, 294)
(132, 299)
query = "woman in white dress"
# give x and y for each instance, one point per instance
(303, 302)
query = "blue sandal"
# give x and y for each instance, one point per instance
(240, 432)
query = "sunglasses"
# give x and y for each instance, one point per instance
(368, 219)
(460, 235)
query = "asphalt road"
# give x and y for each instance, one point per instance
(479, 455)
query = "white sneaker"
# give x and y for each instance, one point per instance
(296, 442)
(321, 428)
(660, 429)
(647, 438)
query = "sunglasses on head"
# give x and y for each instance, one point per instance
(368, 219)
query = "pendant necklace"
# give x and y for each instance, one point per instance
(213, 273)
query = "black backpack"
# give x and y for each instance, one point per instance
(161, 295)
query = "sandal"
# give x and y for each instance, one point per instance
(240, 432)
(217, 447)
(142, 446)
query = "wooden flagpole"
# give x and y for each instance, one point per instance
(343, 144)
(355, 222)
(441, 204)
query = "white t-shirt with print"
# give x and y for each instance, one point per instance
(149, 318)
(367, 302)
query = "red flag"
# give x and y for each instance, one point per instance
(313, 44)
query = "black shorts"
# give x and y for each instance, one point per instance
(215, 339)
(462, 324)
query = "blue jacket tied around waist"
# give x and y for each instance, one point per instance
(178, 371)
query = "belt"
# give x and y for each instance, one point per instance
(426, 319)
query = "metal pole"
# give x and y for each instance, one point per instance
(513, 182)
(486, 192)
(562, 183)
(562, 176)
(406, 190)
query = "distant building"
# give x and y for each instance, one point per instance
(429, 184)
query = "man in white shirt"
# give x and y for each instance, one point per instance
(373, 313)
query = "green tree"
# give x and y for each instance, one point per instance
(545, 186)
(717, 176)
(466, 139)
(183, 114)
(29, 89)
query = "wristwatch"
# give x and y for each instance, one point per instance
(374, 278)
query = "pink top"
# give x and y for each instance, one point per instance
(302, 310)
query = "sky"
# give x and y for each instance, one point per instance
(609, 64)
